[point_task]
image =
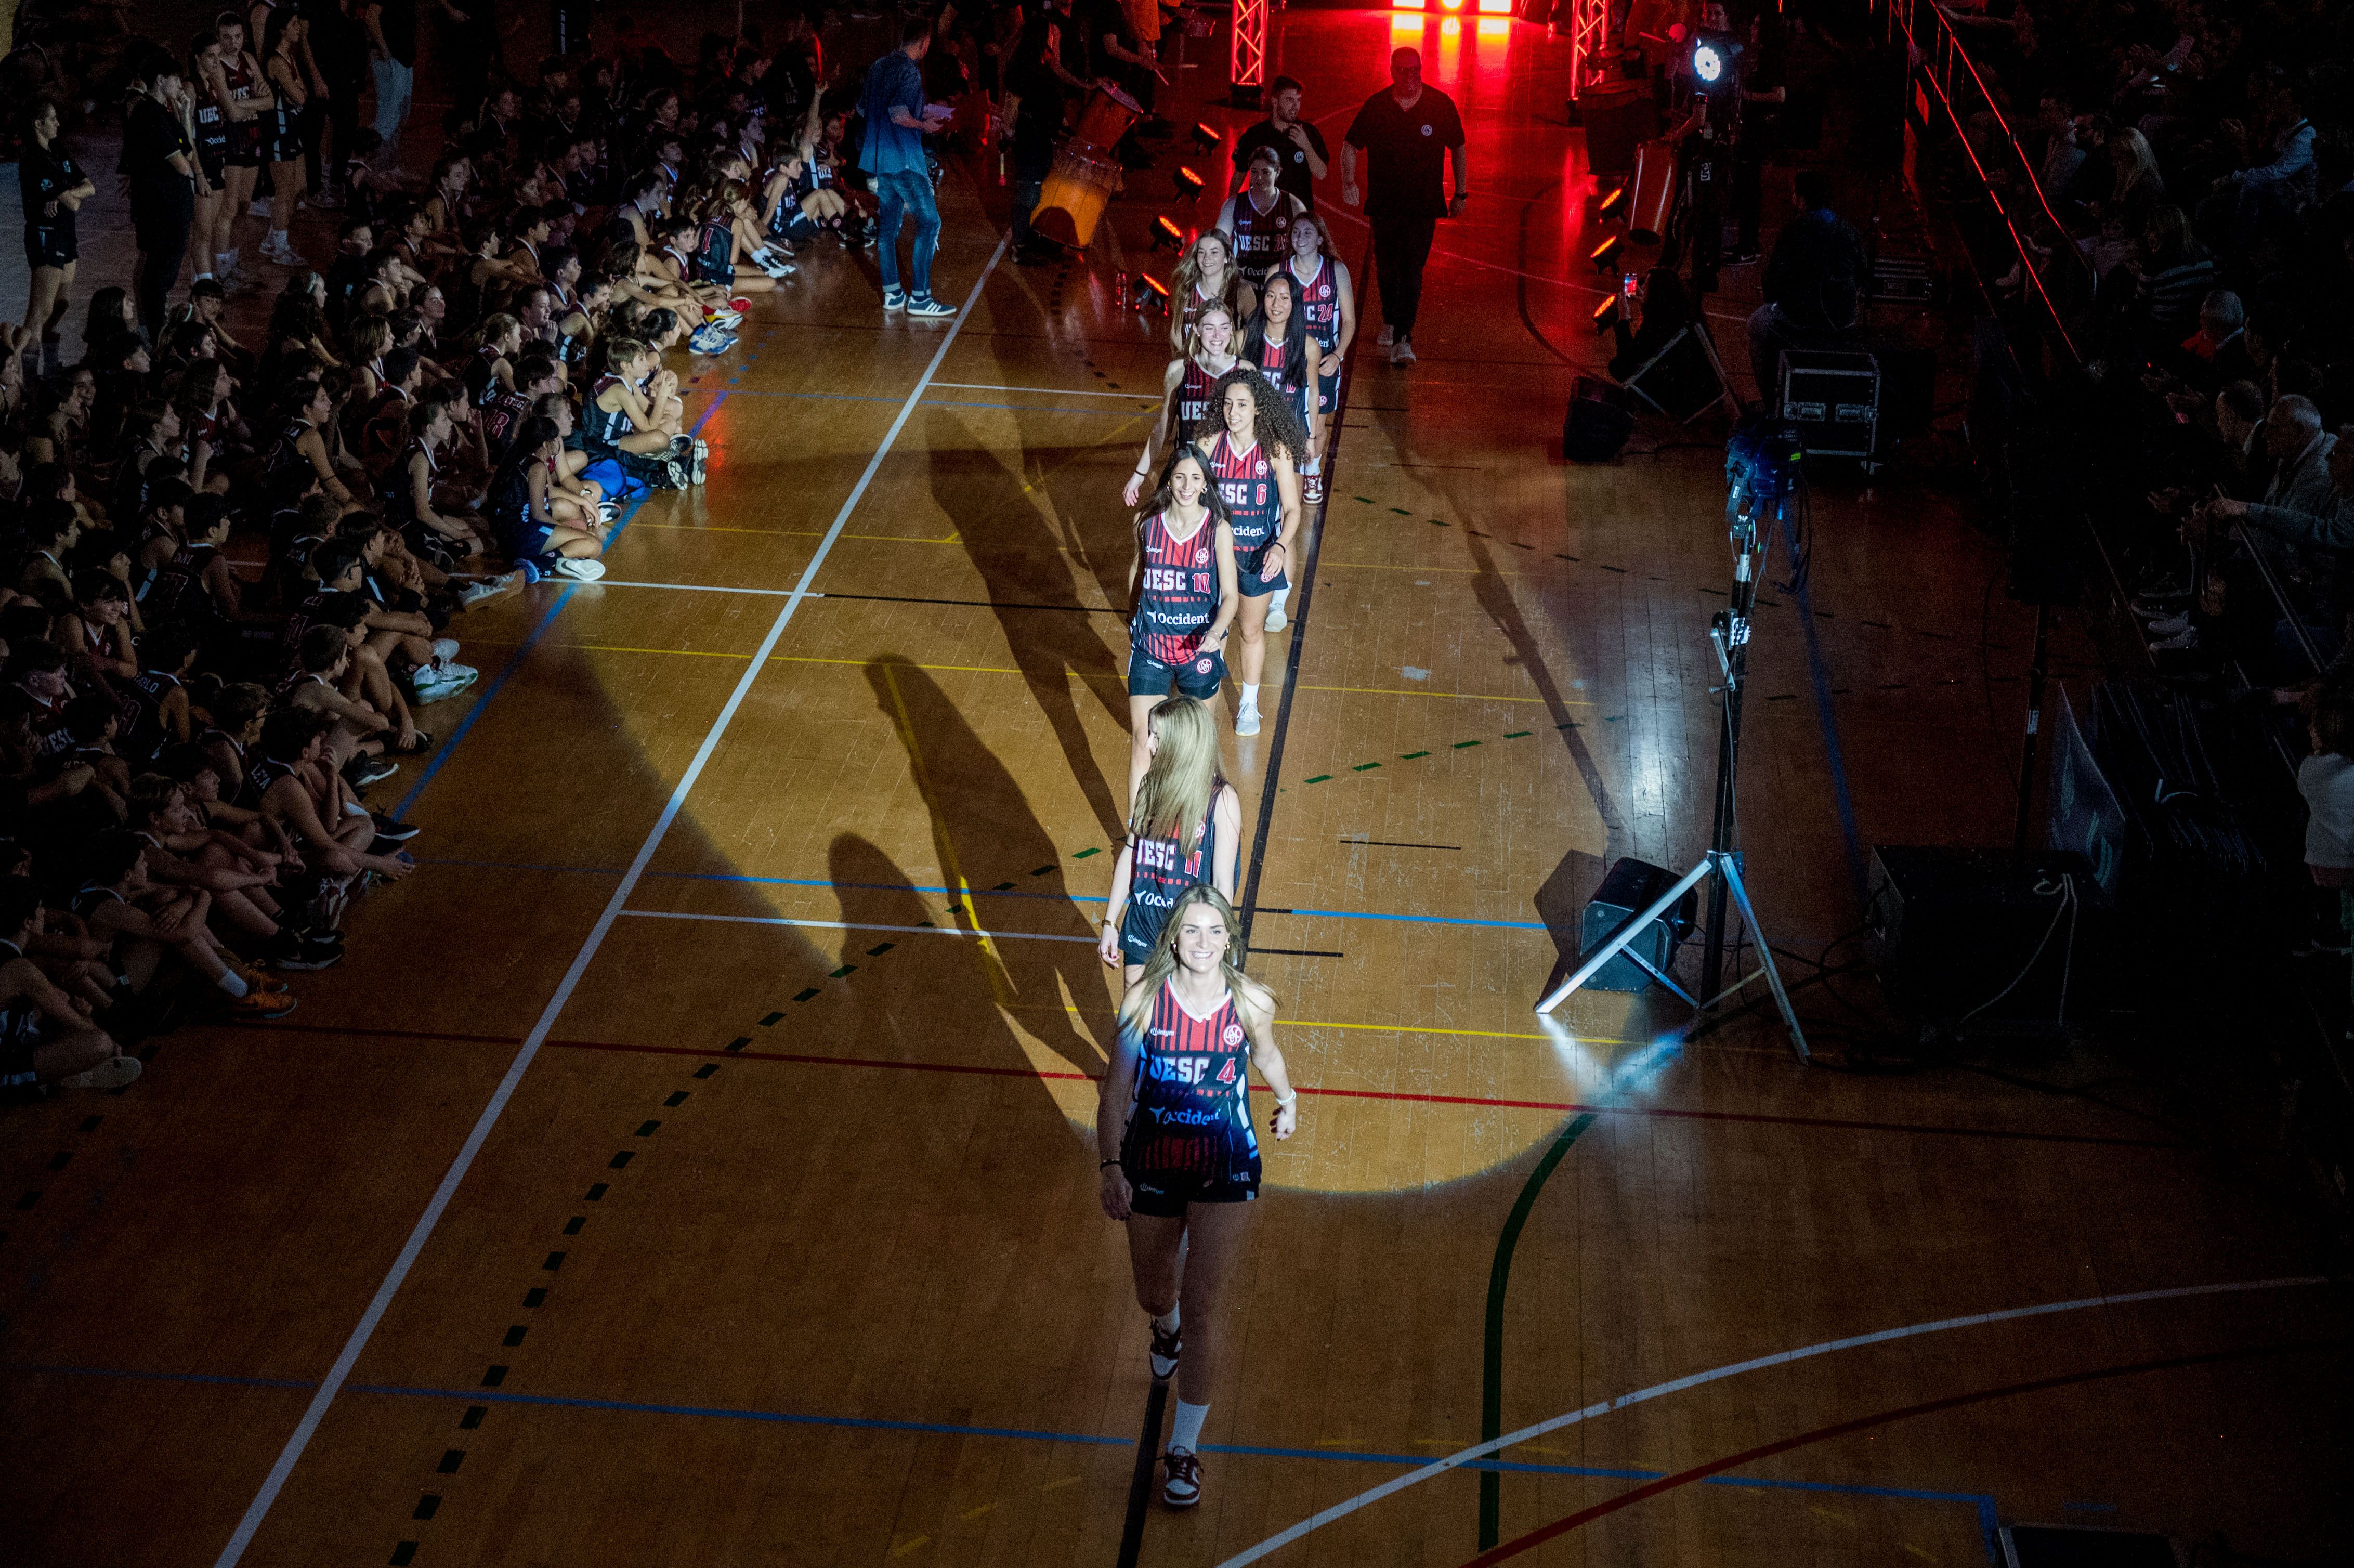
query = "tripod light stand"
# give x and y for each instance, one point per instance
(1762, 472)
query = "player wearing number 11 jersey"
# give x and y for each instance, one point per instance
(1186, 598)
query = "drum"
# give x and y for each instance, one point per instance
(1072, 201)
(1652, 192)
(1107, 117)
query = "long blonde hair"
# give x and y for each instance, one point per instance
(1136, 1007)
(1174, 794)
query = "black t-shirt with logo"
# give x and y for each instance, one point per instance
(1406, 150)
(1295, 178)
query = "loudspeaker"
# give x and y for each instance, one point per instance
(1947, 929)
(1618, 116)
(1679, 378)
(1597, 422)
(1628, 888)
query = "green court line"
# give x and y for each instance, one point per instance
(1492, 1363)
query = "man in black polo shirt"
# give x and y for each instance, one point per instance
(1407, 132)
(1299, 146)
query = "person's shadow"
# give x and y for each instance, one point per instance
(1023, 562)
(978, 811)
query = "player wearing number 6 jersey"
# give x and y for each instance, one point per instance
(1183, 829)
(1185, 600)
(1179, 1156)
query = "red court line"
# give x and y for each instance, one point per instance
(1569, 1108)
(1865, 1422)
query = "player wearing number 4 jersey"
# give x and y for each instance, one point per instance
(1179, 1156)
(1254, 439)
(1185, 828)
(1185, 600)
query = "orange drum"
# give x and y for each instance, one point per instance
(1652, 192)
(1072, 201)
(1107, 117)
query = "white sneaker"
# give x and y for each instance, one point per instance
(1277, 620)
(114, 1073)
(473, 594)
(444, 650)
(451, 667)
(2171, 625)
(582, 571)
(2180, 642)
(257, 209)
(1403, 354)
(1389, 336)
(1246, 721)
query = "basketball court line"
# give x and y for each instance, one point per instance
(1341, 1510)
(1337, 1456)
(296, 1442)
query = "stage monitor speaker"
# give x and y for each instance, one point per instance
(1679, 380)
(1948, 929)
(1619, 116)
(1630, 887)
(1597, 421)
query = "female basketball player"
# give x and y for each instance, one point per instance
(1185, 582)
(1277, 343)
(1259, 217)
(1252, 439)
(1329, 301)
(1184, 830)
(1185, 393)
(1178, 1156)
(244, 96)
(1206, 277)
(285, 61)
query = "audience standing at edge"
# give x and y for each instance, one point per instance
(895, 164)
(1406, 132)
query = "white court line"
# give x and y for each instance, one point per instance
(1659, 1389)
(853, 926)
(703, 587)
(1048, 391)
(306, 1428)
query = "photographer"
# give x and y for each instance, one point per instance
(1814, 284)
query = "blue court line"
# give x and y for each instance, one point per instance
(498, 682)
(1982, 1502)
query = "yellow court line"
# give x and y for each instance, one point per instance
(1466, 696)
(1395, 1028)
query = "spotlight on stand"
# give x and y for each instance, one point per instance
(1206, 137)
(1189, 184)
(1613, 204)
(1149, 293)
(1166, 232)
(1711, 58)
(1604, 255)
(1605, 314)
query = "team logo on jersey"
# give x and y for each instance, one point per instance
(1259, 468)
(1425, 129)
(1233, 1034)
(1202, 556)
(1202, 664)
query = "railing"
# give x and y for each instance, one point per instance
(1945, 70)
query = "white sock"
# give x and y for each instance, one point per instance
(228, 259)
(1250, 695)
(1185, 1432)
(1280, 595)
(1167, 1323)
(201, 277)
(234, 983)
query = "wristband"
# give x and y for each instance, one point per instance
(1106, 1164)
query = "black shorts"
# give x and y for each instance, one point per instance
(1166, 1193)
(1197, 677)
(210, 159)
(51, 246)
(1250, 585)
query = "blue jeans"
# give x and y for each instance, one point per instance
(908, 191)
(393, 82)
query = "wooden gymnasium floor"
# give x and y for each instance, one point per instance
(758, 924)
